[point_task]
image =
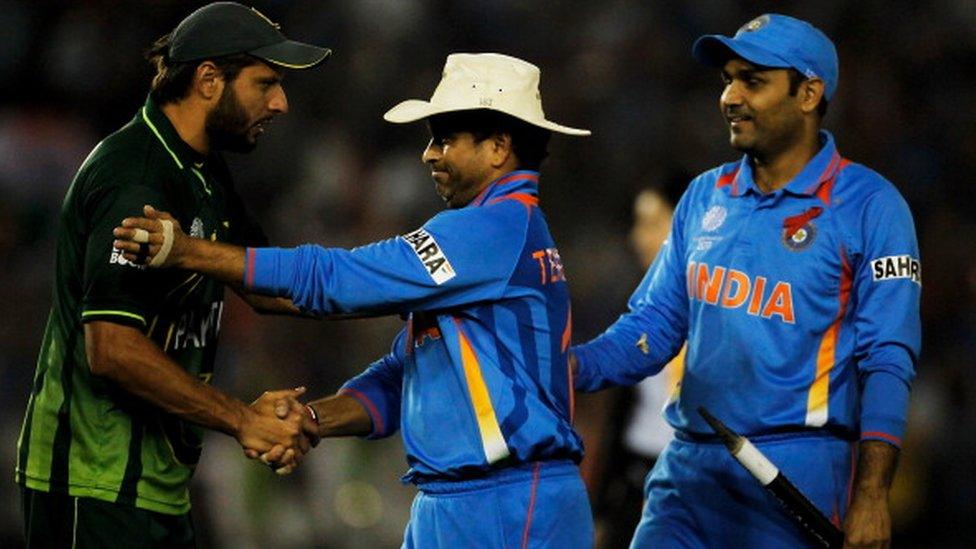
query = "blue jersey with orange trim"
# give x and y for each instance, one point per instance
(800, 306)
(478, 378)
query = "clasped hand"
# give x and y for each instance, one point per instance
(277, 429)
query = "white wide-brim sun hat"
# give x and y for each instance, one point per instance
(483, 81)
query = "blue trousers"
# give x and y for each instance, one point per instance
(542, 504)
(697, 495)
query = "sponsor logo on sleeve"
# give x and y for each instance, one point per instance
(118, 259)
(897, 266)
(430, 255)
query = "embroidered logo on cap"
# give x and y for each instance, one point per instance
(755, 24)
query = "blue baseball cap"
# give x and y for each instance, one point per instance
(774, 40)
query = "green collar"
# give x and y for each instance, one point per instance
(163, 129)
(183, 154)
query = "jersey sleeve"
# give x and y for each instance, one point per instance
(887, 292)
(642, 341)
(115, 289)
(456, 258)
(380, 388)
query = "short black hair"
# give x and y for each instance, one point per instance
(172, 80)
(797, 78)
(529, 143)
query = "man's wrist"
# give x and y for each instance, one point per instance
(182, 254)
(312, 414)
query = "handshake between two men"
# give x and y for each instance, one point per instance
(276, 428)
(279, 430)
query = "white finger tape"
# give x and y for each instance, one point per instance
(167, 245)
(141, 236)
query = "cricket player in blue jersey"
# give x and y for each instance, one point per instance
(794, 275)
(478, 381)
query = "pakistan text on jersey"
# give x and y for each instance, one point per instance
(197, 328)
(731, 289)
(430, 255)
(897, 266)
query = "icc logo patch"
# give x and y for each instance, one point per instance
(714, 218)
(801, 238)
(196, 228)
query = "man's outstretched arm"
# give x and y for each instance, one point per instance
(135, 364)
(143, 240)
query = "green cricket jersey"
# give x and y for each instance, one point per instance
(82, 435)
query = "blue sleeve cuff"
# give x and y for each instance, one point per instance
(624, 355)
(268, 271)
(884, 407)
(380, 429)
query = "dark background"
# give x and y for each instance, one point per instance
(333, 172)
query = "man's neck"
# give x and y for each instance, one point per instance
(774, 171)
(189, 121)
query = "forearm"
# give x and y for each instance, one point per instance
(136, 365)
(263, 304)
(341, 415)
(876, 464)
(868, 520)
(218, 260)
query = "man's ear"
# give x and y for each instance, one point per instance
(501, 149)
(811, 92)
(208, 82)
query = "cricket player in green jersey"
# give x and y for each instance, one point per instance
(120, 397)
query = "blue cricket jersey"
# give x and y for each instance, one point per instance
(800, 307)
(478, 378)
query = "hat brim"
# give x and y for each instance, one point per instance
(714, 50)
(292, 55)
(413, 110)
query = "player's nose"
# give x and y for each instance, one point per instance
(731, 95)
(278, 102)
(432, 153)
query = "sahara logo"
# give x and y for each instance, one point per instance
(897, 266)
(429, 253)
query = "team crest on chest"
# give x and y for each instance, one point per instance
(801, 238)
(799, 231)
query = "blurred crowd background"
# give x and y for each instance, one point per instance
(333, 172)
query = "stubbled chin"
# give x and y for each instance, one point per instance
(738, 142)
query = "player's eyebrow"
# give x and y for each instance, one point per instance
(745, 73)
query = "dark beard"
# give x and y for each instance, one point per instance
(227, 125)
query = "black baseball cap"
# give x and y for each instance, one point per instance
(229, 28)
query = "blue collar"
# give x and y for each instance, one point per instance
(519, 181)
(818, 170)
